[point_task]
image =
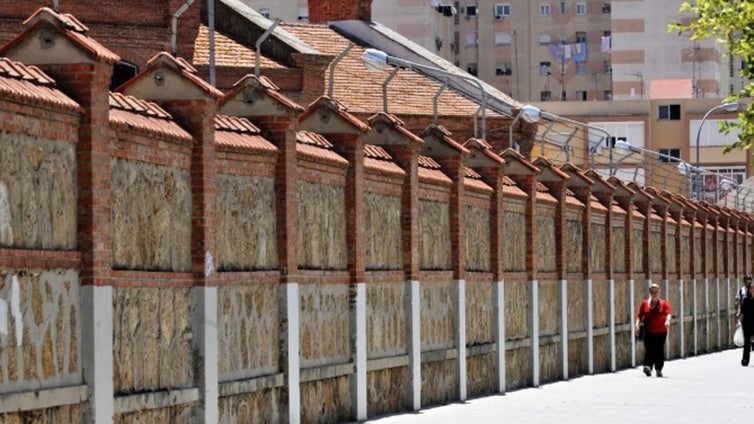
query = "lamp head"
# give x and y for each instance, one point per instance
(374, 60)
(727, 184)
(530, 114)
(730, 107)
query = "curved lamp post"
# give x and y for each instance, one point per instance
(729, 107)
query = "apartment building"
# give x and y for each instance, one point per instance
(546, 50)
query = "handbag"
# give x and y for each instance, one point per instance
(642, 324)
(738, 336)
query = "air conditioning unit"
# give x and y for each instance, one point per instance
(499, 17)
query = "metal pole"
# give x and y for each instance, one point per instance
(732, 106)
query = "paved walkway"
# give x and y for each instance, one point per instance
(712, 388)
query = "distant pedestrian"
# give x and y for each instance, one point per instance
(741, 294)
(655, 314)
(747, 322)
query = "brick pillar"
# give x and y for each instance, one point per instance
(197, 117)
(626, 203)
(323, 11)
(315, 75)
(584, 195)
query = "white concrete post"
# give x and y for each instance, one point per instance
(97, 352)
(563, 327)
(717, 314)
(290, 325)
(681, 317)
(706, 315)
(589, 315)
(611, 323)
(460, 336)
(695, 314)
(498, 298)
(632, 308)
(204, 327)
(359, 312)
(533, 323)
(414, 343)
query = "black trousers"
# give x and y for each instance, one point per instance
(654, 350)
(747, 343)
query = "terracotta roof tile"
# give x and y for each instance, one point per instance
(408, 92)
(129, 112)
(543, 193)
(510, 188)
(239, 134)
(266, 85)
(472, 179)
(180, 65)
(29, 84)
(429, 170)
(378, 159)
(571, 199)
(338, 108)
(227, 52)
(317, 147)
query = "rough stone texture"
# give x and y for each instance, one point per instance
(576, 303)
(622, 313)
(152, 340)
(546, 244)
(437, 309)
(574, 242)
(514, 254)
(151, 217)
(247, 223)
(175, 414)
(709, 258)
(597, 248)
(480, 375)
(638, 252)
(618, 249)
(670, 260)
(35, 212)
(387, 331)
(655, 257)
(549, 363)
(517, 368)
(720, 253)
(321, 227)
(382, 232)
(248, 331)
(479, 313)
(516, 307)
(698, 252)
(577, 357)
(49, 354)
(602, 353)
(549, 307)
(326, 401)
(65, 414)
(387, 391)
(434, 235)
(325, 324)
(258, 407)
(600, 303)
(439, 382)
(477, 222)
(686, 254)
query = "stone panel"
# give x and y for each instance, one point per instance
(602, 353)
(434, 235)
(247, 223)
(182, 413)
(622, 313)
(618, 249)
(388, 390)
(387, 331)
(477, 221)
(546, 244)
(549, 363)
(671, 260)
(479, 313)
(321, 227)
(514, 250)
(437, 309)
(577, 357)
(518, 368)
(40, 335)
(38, 193)
(574, 243)
(383, 242)
(248, 330)
(637, 251)
(549, 307)
(439, 382)
(597, 249)
(326, 401)
(655, 253)
(325, 324)
(516, 309)
(686, 254)
(480, 375)
(151, 217)
(576, 299)
(257, 407)
(152, 340)
(64, 414)
(600, 303)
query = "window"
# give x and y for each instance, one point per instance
(563, 8)
(265, 13)
(607, 95)
(503, 38)
(670, 155)
(581, 68)
(502, 10)
(503, 68)
(471, 10)
(544, 9)
(607, 67)
(581, 9)
(545, 38)
(544, 68)
(563, 96)
(303, 14)
(605, 7)
(471, 68)
(581, 96)
(669, 112)
(545, 96)
(581, 37)
(471, 39)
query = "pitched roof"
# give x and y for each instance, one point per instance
(130, 112)
(379, 160)
(239, 134)
(472, 179)
(317, 147)
(227, 52)
(510, 188)
(29, 84)
(430, 170)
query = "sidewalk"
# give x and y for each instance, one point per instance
(712, 388)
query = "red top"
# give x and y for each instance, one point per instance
(656, 324)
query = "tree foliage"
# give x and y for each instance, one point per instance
(731, 22)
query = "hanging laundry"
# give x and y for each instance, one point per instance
(557, 52)
(605, 45)
(580, 55)
(566, 51)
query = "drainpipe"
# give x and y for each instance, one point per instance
(211, 24)
(174, 22)
(258, 46)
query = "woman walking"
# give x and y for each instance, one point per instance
(747, 322)
(654, 315)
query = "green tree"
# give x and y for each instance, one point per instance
(731, 22)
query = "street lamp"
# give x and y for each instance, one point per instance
(729, 107)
